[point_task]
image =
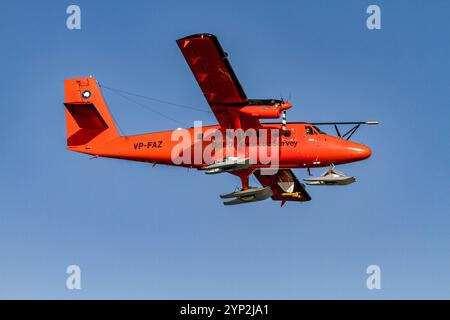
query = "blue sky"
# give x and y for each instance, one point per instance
(162, 233)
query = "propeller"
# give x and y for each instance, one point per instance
(282, 98)
(284, 113)
(283, 120)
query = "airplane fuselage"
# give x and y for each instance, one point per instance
(304, 147)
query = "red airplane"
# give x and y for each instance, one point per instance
(91, 130)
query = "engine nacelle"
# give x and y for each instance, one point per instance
(265, 111)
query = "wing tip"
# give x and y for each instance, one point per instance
(198, 35)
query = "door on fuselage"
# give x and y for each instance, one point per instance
(289, 151)
(310, 145)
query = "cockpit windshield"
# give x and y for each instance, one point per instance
(318, 130)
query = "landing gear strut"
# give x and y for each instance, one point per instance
(244, 176)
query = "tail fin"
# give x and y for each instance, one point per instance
(88, 121)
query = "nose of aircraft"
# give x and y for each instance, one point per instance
(358, 151)
(337, 150)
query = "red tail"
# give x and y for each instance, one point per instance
(89, 123)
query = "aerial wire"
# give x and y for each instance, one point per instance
(148, 108)
(155, 99)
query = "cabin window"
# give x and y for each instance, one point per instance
(287, 133)
(309, 130)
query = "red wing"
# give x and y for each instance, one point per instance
(285, 185)
(217, 80)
